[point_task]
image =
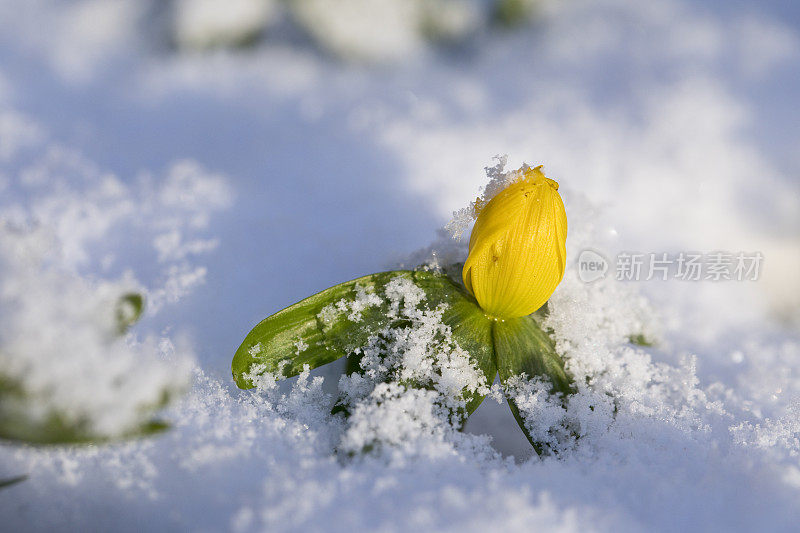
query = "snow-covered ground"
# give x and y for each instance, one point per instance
(229, 184)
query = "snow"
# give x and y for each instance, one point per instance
(364, 299)
(228, 185)
(205, 23)
(424, 353)
(60, 334)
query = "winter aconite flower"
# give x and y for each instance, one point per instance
(418, 344)
(517, 250)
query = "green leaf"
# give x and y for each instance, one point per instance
(274, 342)
(128, 311)
(54, 428)
(522, 347)
(5, 483)
(510, 13)
(640, 340)
(469, 326)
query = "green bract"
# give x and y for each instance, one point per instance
(340, 321)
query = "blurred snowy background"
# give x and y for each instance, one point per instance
(228, 158)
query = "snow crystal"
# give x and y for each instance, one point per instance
(255, 349)
(499, 179)
(300, 347)
(403, 291)
(328, 314)
(395, 417)
(544, 415)
(364, 300)
(352, 307)
(419, 353)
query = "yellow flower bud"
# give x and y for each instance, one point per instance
(517, 250)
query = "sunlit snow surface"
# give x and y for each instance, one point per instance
(231, 185)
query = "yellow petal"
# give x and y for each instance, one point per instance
(517, 250)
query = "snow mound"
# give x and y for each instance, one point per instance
(70, 367)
